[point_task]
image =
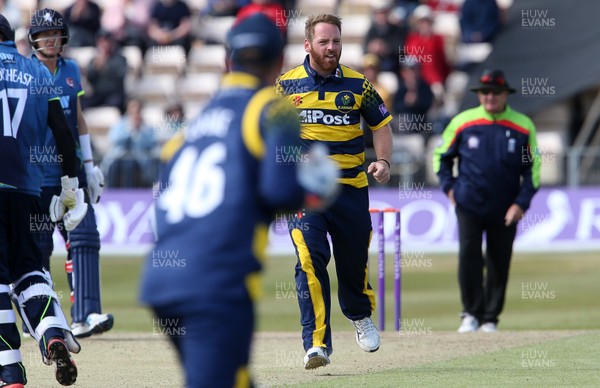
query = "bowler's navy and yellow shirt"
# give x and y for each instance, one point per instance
(330, 109)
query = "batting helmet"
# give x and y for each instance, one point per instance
(47, 20)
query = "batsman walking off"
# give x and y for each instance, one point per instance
(331, 99)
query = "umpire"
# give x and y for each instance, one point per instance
(498, 175)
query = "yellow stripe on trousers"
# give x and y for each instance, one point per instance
(314, 288)
(370, 293)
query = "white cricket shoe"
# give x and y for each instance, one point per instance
(488, 327)
(316, 357)
(468, 324)
(94, 324)
(367, 335)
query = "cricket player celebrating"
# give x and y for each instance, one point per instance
(217, 197)
(48, 35)
(331, 99)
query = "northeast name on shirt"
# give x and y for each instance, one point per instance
(15, 75)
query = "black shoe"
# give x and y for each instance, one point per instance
(66, 371)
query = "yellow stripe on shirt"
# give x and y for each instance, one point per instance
(251, 121)
(345, 161)
(259, 245)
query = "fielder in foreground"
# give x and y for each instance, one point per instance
(216, 199)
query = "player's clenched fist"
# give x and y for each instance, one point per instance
(70, 206)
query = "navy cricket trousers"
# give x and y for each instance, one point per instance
(348, 223)
(212, 340)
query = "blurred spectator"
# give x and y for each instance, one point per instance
(170, 24)
(132, 160)
(83, 19)
(428, 49)
(442, 5)
(385, 38)
(173, 122)
(106, 74)
(371, 70)
(11, 13)
(223, 7)
(412, 100)
(479, 20)
(272, 8)
(128, 21)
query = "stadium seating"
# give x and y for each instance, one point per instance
(99, 121)
(155, 87)
(165, 60)
(204, 58)
(82, 55)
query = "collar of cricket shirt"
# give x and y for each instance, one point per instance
(337, 75)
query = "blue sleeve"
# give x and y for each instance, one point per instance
(278, 183)
(372, 109)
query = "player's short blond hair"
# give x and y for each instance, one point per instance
(312, 21)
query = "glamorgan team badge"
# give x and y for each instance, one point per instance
(344, 101)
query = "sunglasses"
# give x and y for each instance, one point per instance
(488, 91)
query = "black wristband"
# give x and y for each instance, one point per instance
(383, 160)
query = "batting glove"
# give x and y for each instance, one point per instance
(70, 206)
(95, 181)
(319, 177)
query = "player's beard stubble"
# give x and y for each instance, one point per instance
(327, 62)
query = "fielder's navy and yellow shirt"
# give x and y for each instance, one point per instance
(218, 194)
(330, 109)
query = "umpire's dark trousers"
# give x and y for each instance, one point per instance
(483, 297)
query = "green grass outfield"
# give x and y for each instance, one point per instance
(546, 293)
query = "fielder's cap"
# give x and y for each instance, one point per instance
(6, 30)
(492, 80)
(254, 39)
